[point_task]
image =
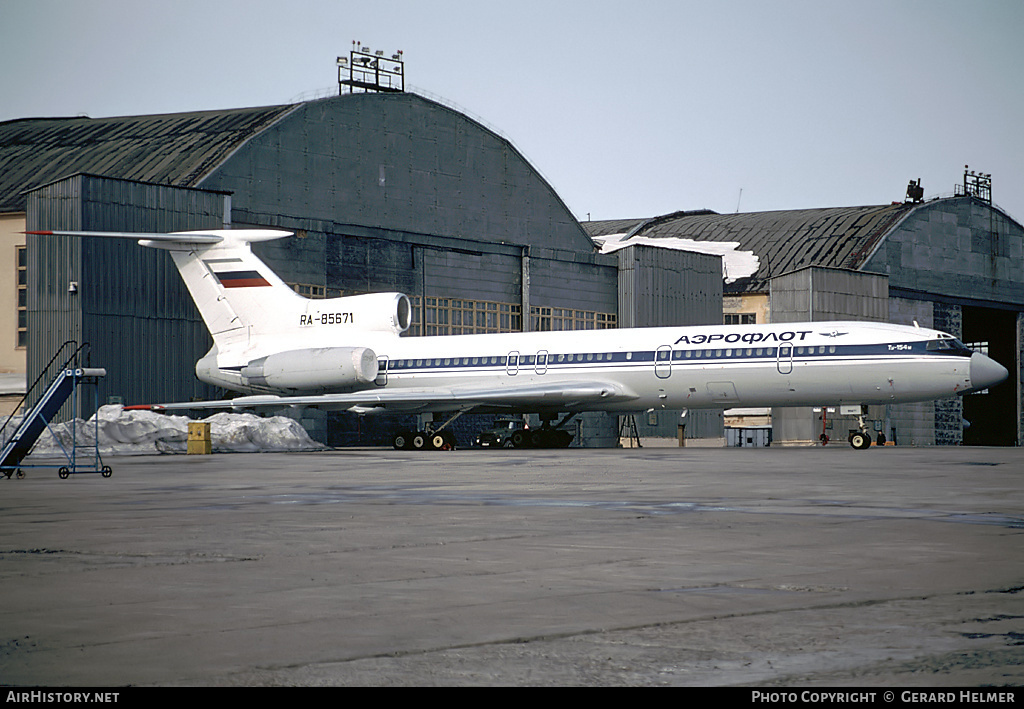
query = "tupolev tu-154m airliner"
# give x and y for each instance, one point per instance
(282, 349)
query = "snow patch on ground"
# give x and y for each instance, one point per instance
(134, 432)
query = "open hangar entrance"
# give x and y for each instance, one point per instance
(991, 416)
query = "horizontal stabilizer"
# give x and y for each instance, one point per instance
(211, 236)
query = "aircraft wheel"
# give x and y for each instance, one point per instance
(401, 440)
(63, 473)
(860, 441)
(419, 441)
(107, 471)
(437, 441)
(449, 439)
(20, 474)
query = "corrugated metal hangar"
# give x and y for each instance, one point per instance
(393, 191)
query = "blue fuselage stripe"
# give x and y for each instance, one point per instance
(674, 357)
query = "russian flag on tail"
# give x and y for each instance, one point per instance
(241, 279)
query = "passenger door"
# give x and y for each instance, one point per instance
(663, 362)
(784, 362)
(512, 363)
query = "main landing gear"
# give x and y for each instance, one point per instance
(434, 439)
(424, 440)
(547, 436)
(441, 438)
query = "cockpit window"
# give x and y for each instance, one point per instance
(949, 345)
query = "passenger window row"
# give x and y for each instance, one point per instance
(548, 359)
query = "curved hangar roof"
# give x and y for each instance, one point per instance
(383, 161)
(176, 149)
(838, 237)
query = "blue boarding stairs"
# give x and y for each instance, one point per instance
(66, 382)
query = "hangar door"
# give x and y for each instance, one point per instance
(992, 414)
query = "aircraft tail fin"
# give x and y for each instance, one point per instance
(236, 293)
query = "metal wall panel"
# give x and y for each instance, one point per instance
(813, 294)
(492, 277)
(659, 287)
(583, 283)
(53, 316)
(959, 248)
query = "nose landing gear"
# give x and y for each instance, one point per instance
(860, 440)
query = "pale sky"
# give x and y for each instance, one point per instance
(629, 109)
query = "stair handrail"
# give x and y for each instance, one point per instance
(43, 373)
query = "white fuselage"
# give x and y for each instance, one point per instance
(714, 366)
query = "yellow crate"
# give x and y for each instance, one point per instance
(199, 438)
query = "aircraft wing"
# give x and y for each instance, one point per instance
(558, 396)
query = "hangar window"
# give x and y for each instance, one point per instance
(22, 281)
(544, 319)
(433, 316)
(450, 316)
(740, 319)
(308, 290)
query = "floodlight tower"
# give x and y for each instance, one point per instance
(978, 184)
(364, 71)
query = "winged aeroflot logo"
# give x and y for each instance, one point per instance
(834, 333)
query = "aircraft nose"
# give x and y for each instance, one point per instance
(985, 371)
